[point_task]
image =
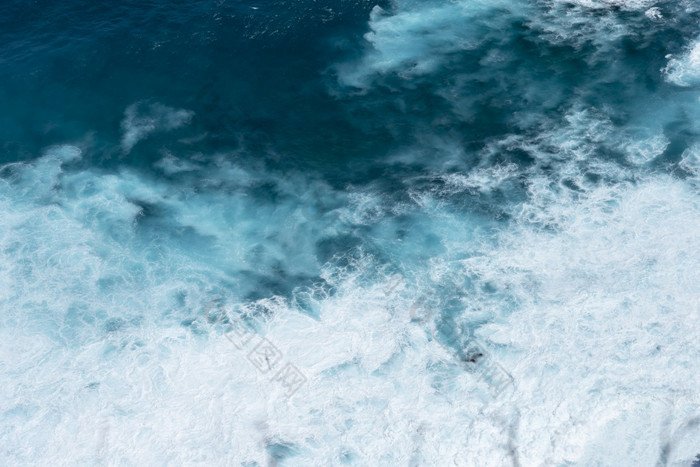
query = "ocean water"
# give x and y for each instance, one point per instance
(349, 232)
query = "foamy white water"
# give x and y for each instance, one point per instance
(516, 288)
(591, 301)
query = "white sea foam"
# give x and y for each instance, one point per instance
(644, 150)
(628, 4)
(684, 70)
(140, 120)
(415, 39)
(654, 14)
(590, 299)
(483, 180)
(92, 349)
(606, 320)
(690, 160)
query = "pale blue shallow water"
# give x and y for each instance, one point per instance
(340, 233)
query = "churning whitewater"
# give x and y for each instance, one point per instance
(419, 233)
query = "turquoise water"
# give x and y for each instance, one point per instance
(339, 233)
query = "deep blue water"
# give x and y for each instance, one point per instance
(472, 227)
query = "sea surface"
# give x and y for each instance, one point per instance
(350, 232)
